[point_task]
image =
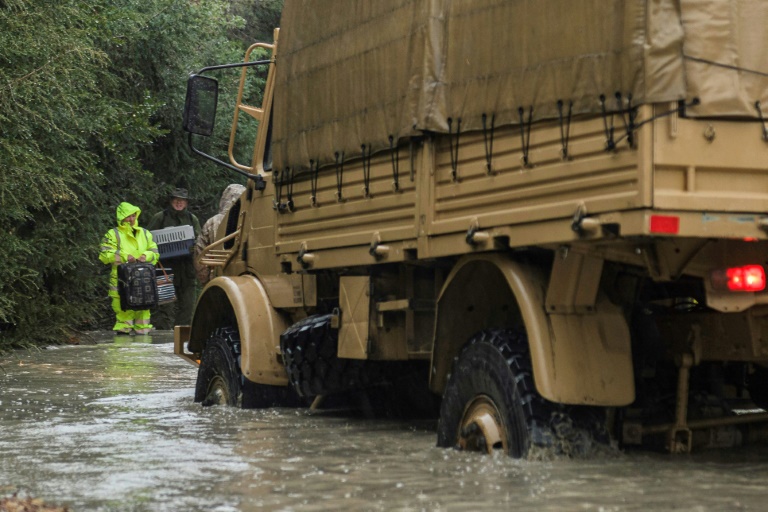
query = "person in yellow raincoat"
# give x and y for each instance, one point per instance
(125, 244)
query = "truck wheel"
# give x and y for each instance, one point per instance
(491, 403)
(220, 380)
(310, 349)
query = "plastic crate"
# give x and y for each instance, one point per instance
(174, 242)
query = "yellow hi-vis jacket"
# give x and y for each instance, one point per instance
(123, 240)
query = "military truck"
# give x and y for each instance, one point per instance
(553, 212)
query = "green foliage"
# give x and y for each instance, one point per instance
(91, 98)
(261, 17)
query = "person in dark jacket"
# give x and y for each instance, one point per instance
(180, 311)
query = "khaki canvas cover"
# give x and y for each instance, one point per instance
(353, 73)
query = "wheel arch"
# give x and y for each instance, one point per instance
(576, 358)
(242, 301)
(482, 291)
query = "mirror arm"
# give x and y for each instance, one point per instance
(236, 65)
(260, 183)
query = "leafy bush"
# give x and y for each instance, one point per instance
(91, 97)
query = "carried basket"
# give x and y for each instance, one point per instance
(166, 292)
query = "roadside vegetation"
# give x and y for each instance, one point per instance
(91, 98)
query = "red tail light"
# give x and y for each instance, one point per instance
(749, 278)
(667, 224)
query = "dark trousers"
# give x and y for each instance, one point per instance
(178, 312)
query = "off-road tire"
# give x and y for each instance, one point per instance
(309, 350)
(495, 366)
(220, 379)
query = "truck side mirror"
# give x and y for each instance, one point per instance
(200, 105)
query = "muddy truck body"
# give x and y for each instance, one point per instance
(548, 219)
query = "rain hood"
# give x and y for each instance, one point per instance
(125, 210)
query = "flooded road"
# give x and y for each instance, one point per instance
(112, 427)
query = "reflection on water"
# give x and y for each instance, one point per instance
(113, 427)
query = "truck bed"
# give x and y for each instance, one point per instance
(709, 174)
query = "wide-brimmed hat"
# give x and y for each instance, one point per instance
(180, 193)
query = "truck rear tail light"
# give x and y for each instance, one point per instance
(749, 278)
(667, 224)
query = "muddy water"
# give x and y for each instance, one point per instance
(112, 427)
